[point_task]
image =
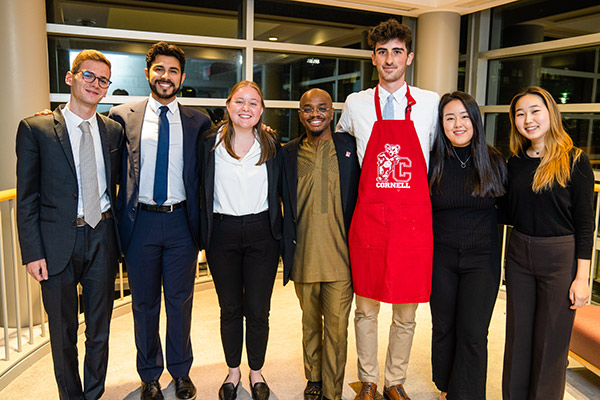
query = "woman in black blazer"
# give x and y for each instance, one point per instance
(241, 228)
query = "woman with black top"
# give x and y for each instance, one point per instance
(241, 227)
(550, 191)
(466, 179)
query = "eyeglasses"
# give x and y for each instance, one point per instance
(90, 77)
(310, 110)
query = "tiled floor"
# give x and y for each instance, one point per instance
(283, 369)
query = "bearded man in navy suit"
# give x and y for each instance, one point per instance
(159, 221)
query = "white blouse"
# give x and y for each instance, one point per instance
(241, 186)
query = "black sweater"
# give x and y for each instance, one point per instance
(461, 221)
(555, 212)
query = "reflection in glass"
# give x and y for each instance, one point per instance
(287, 76)
(570, 76)
(533, 21)
(175, 16)
(210, 72)
(314, 24)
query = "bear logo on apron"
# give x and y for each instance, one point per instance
(393, 170)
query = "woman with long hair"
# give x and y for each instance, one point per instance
(549, 204)
(466, 179)
(241, 229)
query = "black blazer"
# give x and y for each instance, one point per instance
(47, 186)
(207, 183)
(345, 147)
(131, 117)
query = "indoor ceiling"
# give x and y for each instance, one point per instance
(413, 8)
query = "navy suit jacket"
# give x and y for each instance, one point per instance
(47, 190)
(349, 169)
(131, 117)
(207, 157)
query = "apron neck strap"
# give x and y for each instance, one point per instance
(377, 105)
(410, 101)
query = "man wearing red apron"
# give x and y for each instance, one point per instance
(390, 239)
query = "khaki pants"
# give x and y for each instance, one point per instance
(402, 330)
(325, 310)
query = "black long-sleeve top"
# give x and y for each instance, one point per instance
(461, 221)
(555, 212)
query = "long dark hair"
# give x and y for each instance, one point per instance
(487, 171)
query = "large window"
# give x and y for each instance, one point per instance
(286, 76)
(210, 72)
(571, 76)
(287, 47)
(533, 21)
(202, 17)
(313, 24)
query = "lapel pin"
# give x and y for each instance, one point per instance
(348, 154)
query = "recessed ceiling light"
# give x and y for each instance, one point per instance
(273, 38)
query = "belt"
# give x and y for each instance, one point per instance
(161, 209)
(242, 218)
(81, 222)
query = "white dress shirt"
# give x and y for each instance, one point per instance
(148, 148)
(241, 186)
(359, 115)
(73, 121)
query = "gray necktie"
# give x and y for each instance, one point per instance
(89, 177)
(388, 110)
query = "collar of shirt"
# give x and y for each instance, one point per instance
(76, 120)
(252, 155)
(155, 106)
(399, 94)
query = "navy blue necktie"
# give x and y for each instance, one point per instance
(162, 158)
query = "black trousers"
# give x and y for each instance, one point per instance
(464, 290)
(539, 273)
(243, 258)
(93, 264)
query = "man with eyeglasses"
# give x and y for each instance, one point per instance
(159, 218)
(320, 185)
(68, 164)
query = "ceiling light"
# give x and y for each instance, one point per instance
(273, 38)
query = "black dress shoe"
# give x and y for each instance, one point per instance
(313, 391)
(228, 391)
(184, 388)
(151, 391)
(260, 390)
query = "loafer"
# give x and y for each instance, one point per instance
(395, 392)
(151, 391)
(368, 391)
(313, 391)
(260, 390)
(228, 391)
(184, 388)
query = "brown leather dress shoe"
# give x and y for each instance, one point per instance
(395, 392)
(367, 391)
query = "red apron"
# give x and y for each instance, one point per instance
(391, 238)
